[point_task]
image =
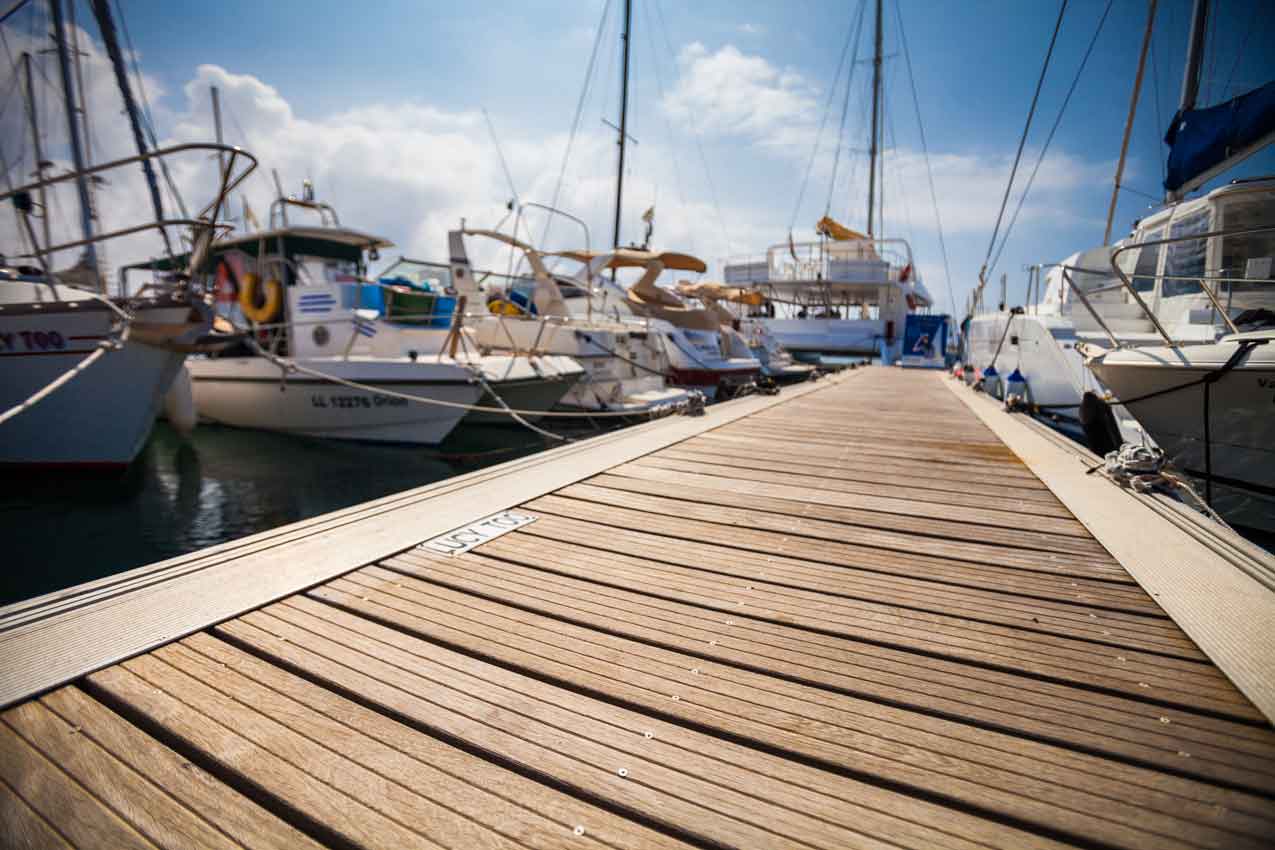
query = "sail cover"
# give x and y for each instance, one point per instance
(1205, 140)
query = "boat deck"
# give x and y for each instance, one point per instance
(846, 617)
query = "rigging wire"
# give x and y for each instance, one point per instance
(1239, 54)
(1050, 138)
(1161, 151)
(925, 152)
(1022, 141)
(575, 122)
(668, 124)
(823, 121)
(845, 105)
(699, 146)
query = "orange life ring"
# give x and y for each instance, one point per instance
(270, 309)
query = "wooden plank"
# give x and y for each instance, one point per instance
(790, 517)
(718, 791)
(1004, 516)
(1101, 595)
(333, 800)
(523, 809)
(241, 819)
(1015, 705)
(1132, 675)
(712, 493)
(841, 594)
(24, 829)
(51, 645)
(58, 799)
(707, 449)
(970, 495)
(837, 582)
(1224, 610)
(125, 791)
(1065, 800)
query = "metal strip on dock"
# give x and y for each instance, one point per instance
(848, 617)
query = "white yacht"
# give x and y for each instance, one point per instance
(1202, 383)
(845, 294)
(744, 336)
(322, 365)
(552, 313)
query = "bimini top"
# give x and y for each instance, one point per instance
(307, 240)
(635, 258)
(712, 291)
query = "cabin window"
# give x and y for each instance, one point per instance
(1184, 264)
(1247, 260)
(1148, 263)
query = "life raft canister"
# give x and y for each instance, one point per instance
(272, 305)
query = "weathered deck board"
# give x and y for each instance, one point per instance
(850, 617)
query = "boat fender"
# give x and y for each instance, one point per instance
(179, 404)
(1099, 424)
(272, 305)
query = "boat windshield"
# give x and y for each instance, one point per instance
(1184, 265)
(1246, 260)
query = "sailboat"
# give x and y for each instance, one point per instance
(848, 293)
(83, 373)
(1201, 273)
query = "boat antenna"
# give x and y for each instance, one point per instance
(624, 121)
(873, 152)
(216, 109)
(77, 148)
(110, 39)
(1133, 110)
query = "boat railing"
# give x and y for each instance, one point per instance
(203, 224)
(867, 260)
(1209, 284)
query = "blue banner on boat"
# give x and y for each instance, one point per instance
(924, 341)
(1200, 140)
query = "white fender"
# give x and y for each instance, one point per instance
(179, 403)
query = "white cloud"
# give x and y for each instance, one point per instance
(751, 29)
(732, 93)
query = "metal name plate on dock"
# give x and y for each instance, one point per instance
(476, 533)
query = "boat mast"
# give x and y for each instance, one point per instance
(77, 149)
(876, 120)
(1194, 65)
(106, 23)
(39, 158)
(624, 120)
(1128, 124)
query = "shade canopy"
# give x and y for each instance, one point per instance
(633, 258)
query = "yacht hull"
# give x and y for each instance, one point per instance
(102, 417)
(250, 392)
(1228, 445)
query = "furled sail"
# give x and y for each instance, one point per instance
(1205, 142)
(836, 230)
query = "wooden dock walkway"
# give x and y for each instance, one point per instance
(848, 617)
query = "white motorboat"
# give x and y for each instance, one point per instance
(321, 365)
(700, 355)
(549, 314)
(1211, 408)
(743, 337)
(82, 372)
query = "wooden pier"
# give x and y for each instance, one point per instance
(850, 616)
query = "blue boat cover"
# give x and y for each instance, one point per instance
(1200, 139)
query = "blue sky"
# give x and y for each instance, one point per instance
(381, 105)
